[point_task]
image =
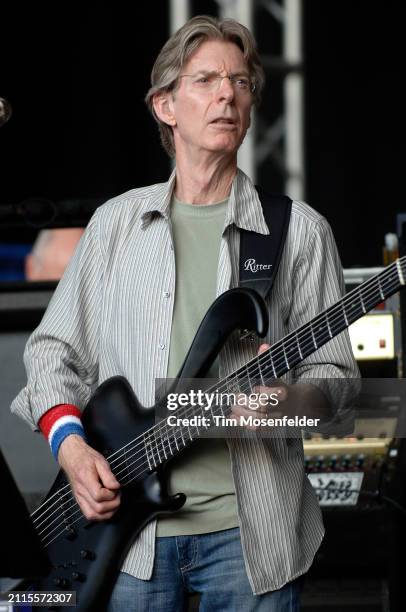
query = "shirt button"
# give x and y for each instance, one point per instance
(161, 345)
(166, 294)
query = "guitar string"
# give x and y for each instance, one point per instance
(171, 452)
(145, 462)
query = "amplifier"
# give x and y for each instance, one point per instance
(376, 337)
(354, 471)
(350, 472)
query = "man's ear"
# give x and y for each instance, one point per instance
(163, 106)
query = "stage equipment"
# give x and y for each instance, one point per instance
(376, 337)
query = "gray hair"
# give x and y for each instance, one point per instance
(181, 46)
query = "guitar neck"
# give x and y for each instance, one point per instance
(162, 442)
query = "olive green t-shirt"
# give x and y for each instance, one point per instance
(203, 471)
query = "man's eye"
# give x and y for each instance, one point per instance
(202, 80)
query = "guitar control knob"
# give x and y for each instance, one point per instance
(70, 533)
(87, 554)
(78, 577)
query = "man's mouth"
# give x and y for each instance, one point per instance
(224, 120)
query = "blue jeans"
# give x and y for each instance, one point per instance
(211, 564)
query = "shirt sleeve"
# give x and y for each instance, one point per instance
(318, 283)
(62, 355)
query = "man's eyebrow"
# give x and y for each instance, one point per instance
(205, 72)
(210, 72)
(240, 73)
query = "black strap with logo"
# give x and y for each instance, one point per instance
(260, 254)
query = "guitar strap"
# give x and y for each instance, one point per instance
(260, 254)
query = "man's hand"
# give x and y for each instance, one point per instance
(299, 399)
(93, 483)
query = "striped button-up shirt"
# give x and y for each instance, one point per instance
(111, 315)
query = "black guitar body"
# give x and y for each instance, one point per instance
(87, 556)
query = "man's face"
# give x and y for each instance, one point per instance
(217, 119)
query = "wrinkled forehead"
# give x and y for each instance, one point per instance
(217, 56)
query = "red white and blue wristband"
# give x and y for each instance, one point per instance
(58, 423)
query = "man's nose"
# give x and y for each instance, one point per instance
(225, 90)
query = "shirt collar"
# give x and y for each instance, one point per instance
(160, 201)
(244, 206)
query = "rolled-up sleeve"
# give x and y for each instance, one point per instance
(61, 355)
(318, 283)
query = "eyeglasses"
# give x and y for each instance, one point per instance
(210, 82)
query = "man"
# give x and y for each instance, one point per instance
(149, 265)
